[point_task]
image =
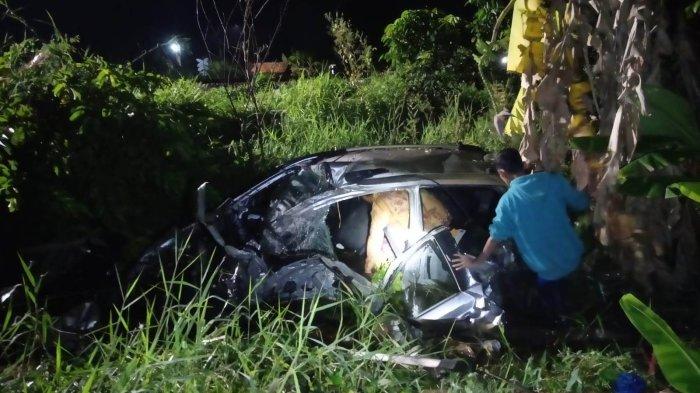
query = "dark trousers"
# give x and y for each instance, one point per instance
(553, 297)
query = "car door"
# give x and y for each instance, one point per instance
(432, 291)
(423, 273)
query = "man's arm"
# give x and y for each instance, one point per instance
(575, 199)
(501, 228)
(461, 261)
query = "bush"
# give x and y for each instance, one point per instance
(100, 149)
(431, 49)
(351, 47)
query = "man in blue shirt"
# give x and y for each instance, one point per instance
(534, 213)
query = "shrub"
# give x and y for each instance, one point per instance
(351, 47)
(431, 48)
(98, 148)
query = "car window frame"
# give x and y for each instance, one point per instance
(400, 261)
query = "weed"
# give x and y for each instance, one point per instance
(178, 345)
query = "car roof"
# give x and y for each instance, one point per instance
(380, 166)
(434, 162)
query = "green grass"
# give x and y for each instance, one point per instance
(327, 112)
(460, 125)
(178, 345)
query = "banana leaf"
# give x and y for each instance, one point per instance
(679, 364)
(647, 164)
(649, 175)
(690, 189)
(640, 177)
(670, 115)
(647, 186)
(670, 125)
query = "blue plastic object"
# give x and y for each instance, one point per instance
(629, 383)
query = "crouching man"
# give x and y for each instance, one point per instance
(533, 213)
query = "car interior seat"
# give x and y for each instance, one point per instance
(349, 223)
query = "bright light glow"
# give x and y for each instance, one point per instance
(175, 47)
(504, 60)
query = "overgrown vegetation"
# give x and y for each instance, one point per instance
(351, 47)
(90, 149)
(192, 341)
(96, 150)
(432, 51)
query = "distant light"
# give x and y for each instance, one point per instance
(504, 60)
(175, 48)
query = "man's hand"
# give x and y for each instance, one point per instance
(462, 261)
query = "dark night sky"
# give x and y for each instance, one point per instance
(121, 29)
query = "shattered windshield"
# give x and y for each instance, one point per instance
(292, 235)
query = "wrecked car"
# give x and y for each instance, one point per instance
(382, 222)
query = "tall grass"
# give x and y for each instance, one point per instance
(459, 124)
(326, 112)
(193, 340)
(179, 346)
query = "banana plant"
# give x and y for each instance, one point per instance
(665, 163)
(679, 363)
(665, 168)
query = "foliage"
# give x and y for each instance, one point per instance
(351, 47)
(459, 124)
(327, 112)
(689, 189)
(680, 364)
(99, 147)
(485, 15)
(424, 36)
(666, 159)
(665, 162)
(431, 48)
(190, 339)
(563, 371)
(670, 116)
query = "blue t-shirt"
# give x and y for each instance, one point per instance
(533, 212)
